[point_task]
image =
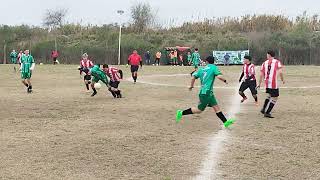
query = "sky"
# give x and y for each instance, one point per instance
(169, 12)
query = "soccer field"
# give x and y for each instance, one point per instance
(60, 132)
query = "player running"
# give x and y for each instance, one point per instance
(269, 71)
(85, 65)
(207, 76)
(26, 68)
(98, 75)
(195, 60)
(248, 80)
(115, 75)
(134, 60)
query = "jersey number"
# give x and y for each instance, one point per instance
(269, 69)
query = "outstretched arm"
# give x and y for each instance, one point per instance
(281, 75)
(121, 73)
(193, 80)
(221, 78)
(241, 76)
(260, 79)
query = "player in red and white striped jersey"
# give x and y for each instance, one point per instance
(85, 65)
(269, 72)
(115, 76)
(248, 79)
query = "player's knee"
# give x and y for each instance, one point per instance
(197, 110)
(275, 99)
(216, 108)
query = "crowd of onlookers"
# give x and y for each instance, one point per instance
(168, 57)
(171, 57)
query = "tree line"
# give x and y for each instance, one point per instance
(296, 41)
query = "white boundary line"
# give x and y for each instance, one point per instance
(216, 143)
(216, 87)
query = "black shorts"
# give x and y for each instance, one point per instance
(134, 68)
(273, 92)
(251, 85)
(87, 77)
(114, 84)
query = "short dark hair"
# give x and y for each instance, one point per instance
(105, 66)
(196, 49)
(248, 57)
(210, 59)
(271, 53)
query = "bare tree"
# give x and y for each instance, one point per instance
(54, 18)
(142, 16)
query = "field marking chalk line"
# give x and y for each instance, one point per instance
(216, 87)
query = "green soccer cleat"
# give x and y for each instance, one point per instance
(178, 116)
(228, 123)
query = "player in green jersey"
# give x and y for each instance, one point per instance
(195, 60)
(14, 56)
(207, 76)
(189, 59)
(98, 75)
(26, 68)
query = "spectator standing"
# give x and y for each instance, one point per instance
(147, 57)
(54, 56)
(158, 57)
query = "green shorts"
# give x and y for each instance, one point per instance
(96, 79)
(206, 100)
(13, 60)
(195, 65)
(26, 75)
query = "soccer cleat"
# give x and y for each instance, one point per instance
(113, 94)
(93, 94)
(244, 99)
(178, 116)
(256, 103)
(266, 115)
(29, 90)
(119, 95)
(262, 111)
(228, 123)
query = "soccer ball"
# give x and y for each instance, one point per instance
(41, 64)
(57, 61)
(97, 85)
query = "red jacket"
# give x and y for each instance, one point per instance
(134, 59)
(54, 54)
